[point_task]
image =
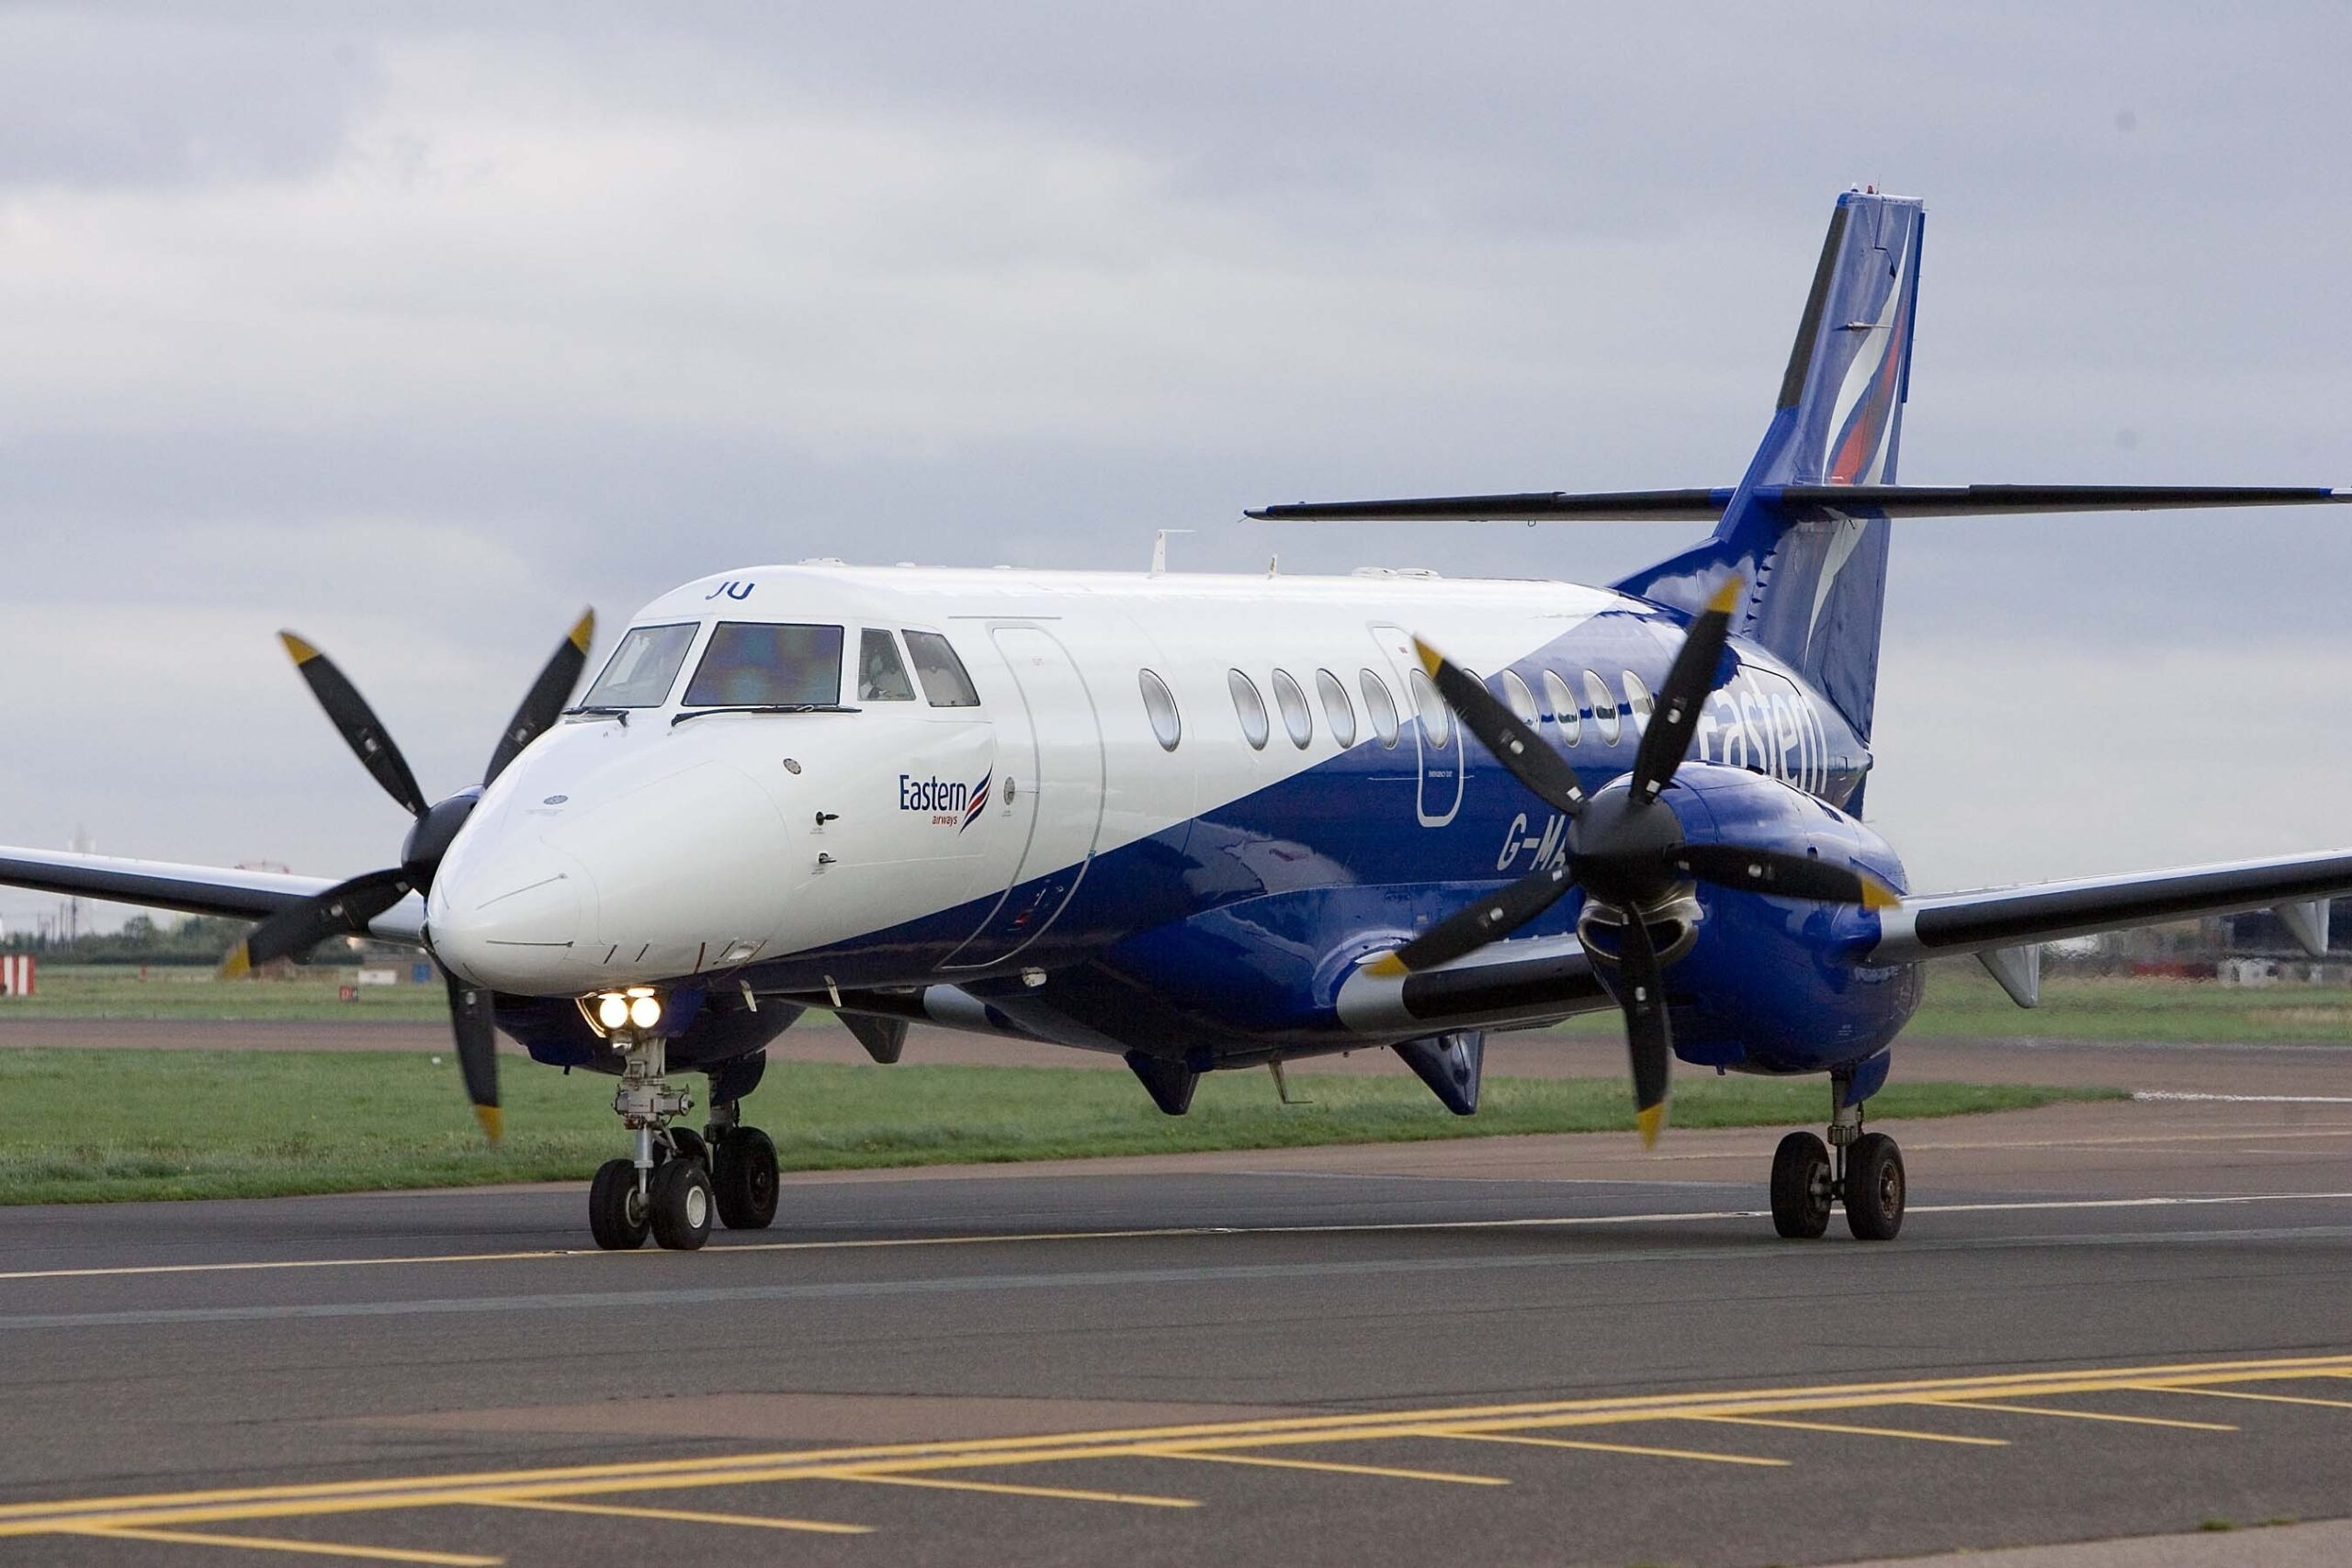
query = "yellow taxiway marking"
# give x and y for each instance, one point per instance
(1334, 1467)
(2077, 1415)
(1854, 1431)
(1066, 1494)
(2235, 1393)
(681, 1516)
(1163, 1233)
(896, 1461)
(272, 1543)
(1642, 1449)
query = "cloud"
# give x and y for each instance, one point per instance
(416, 326)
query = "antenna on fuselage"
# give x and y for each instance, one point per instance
(1160, 550)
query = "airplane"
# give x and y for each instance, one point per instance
(1208, 822)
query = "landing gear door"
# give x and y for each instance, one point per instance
(1437, 757)
(1049, 788)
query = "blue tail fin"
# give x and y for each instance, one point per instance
(1817, 577)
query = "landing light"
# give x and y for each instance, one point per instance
(645, 1011)
(612, 1010)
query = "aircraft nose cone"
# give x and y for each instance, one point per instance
(511, 919)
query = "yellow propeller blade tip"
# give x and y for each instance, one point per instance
(1727, 598)
(492, 1124)
(1877, 894)
(1650, 1118)
(583, 632)
(1388, 966)
(238, 964)
(1430, 657)
(302, 651)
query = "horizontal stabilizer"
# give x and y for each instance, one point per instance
(1799, 503)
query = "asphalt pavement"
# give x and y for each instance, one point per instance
(2101, 1322)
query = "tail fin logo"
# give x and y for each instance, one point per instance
(1863, 413)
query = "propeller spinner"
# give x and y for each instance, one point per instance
(1623, 850)
(346, 909)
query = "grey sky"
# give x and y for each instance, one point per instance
(416, 330)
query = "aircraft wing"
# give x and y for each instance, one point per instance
(191, 889)
(1941, 924)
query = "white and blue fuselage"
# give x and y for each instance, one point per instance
(1170, 814)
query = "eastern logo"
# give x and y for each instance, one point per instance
(949, 802)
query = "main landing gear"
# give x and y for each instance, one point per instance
(678, 1180)
(1865, 1176)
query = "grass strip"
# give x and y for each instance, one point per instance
(107, 1125)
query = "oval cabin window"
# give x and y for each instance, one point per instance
(1437, 719)
(1250, 707)
(1338, 712)
(1160, 706)
(1639, 702)
(1290, 698)
(1380, 708)
(1564, 706)
(1521, 700)
(1604, 708)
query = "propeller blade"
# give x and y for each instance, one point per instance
(357, 723)
(1466, 930)
(546, 700)
(1788, 875)
(1649, 1039)
(1666, 739)
(344, 910)
(1526, 755)
(470, 1022)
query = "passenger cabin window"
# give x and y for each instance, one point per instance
(945, 684)
(1160, 706)
(881, 675)
(1437, 719)
(756, 664)
(1604, 708)
(1521, 700)
(1564, 706)
(1639, 702)
(1338, 712)
(1381, 708)
(1250, 708)
(643, 668)
(1292, 700)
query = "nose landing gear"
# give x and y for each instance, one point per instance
(1862, 1170)
(677, 1181)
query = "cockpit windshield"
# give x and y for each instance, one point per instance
(641, 671)
(755, 664)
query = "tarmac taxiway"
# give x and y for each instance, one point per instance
(2102, 1321)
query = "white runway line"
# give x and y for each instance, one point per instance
(1540, 1223)
(2245, 1099)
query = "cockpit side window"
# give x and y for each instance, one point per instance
(945, 684)
(881, 677)
(757, 664)
(642, 668)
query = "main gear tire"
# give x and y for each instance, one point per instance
(1800, 1187)
(1874, 1188)
(745, 1179)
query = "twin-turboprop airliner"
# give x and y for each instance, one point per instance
(1210, 822)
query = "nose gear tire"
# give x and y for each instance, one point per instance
(680, 1204)
(615, 1211)
(1800, 1187)
(1874, 1188)
(744, 1176)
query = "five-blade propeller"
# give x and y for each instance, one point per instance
(346, 909)
(1622, 850)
